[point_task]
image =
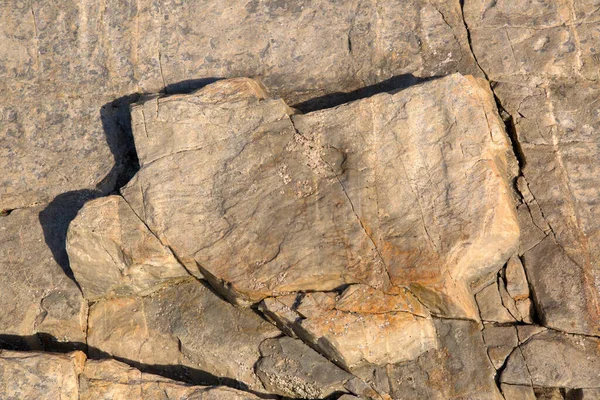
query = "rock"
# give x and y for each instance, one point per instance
(556, 277)
(290, 368)
(555, 359)
(110, 379)
(527, 331)
(112, 253)
(460, 368)
(500, 341)
(69, 376)
(380, 329)
(490, 305)
(517, 392)
(63, 65)
(545, 62)
(37, 295)
(516, 280)
(304, 167)
(198, 334)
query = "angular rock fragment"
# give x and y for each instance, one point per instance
(490, 305)
(516, 280)
(52, 376)
(555, 359)
(460, 368)
(500, 342)
(290, 368)
(219, 165)
(203, 336)
(361, 326)
(112, 253)
(37, 296)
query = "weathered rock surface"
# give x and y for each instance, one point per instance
(112, 253)
(555, 359)
(69, 376)
(360, 326)
(340, 194)
(290, 368)
(81, 57)
(545, 62)
(184, 326)
(37, 296)
(459, 369)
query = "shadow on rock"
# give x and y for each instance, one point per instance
(393, 84)
(55, 220)
(48, 343)
(116, 123)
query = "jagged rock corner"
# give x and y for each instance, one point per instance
(314, 200)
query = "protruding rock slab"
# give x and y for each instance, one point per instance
(555, 359)
(112, 253)
(362, 326)
(290, 368)
(70, 377)
(195, 331)
(261, 200)
(37, 295)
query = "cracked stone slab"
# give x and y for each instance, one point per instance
(361, 326)
(555, 359)
(545, 62)
(37, 296)
(227, 156)
(34, 375)
(112, 253)
(204, 336)
(61, 65)
(458, 369)
(290, 368)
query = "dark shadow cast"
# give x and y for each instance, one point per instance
(189, 86)
(393, 84)
(116, 123)
(48, 343)
(55, 220)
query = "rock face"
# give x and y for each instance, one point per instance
(314, 199)
(545, 62)
(82, 57)
(169, 320)
(70, 376)
(290, 368)
(37, 296)
(112, 253)
(547, 358)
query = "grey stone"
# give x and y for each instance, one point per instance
(555, 359)
(33, 375)
(517, 392)
(290, 368)
(193, 328)
(500, 342)
(460, 368)
(490, 305)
